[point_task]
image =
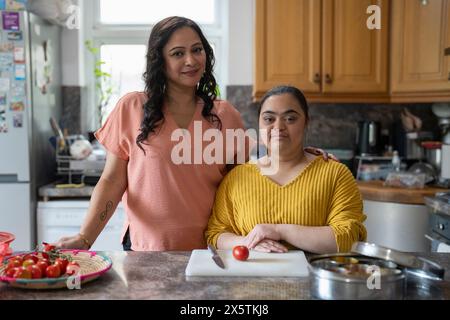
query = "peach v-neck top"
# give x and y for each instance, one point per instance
(167, 205)
(323, 194)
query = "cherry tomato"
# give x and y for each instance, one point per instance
(22, 273)
(13, 263)
(36, 272)
(31, 256)
(73, 268)
(62, 264)
(43, 264)
(17, 258)
(45, 255)
(10, 272)
(48, 247)
(53, 271)
(28, 262)
(240, 253)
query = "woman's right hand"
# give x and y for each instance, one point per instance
(73, 242)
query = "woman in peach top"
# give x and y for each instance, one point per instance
(167, 203)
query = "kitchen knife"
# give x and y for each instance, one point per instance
(217, 259)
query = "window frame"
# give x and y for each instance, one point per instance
(106, 34)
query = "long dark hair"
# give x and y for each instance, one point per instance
(156, 81)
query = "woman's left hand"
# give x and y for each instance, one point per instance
(268, 245)
(325, 155)
(261, 232)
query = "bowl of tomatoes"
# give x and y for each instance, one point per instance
(51, 268)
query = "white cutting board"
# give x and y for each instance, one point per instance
(259, 264)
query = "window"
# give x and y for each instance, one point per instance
(121, 33)
(151, 11)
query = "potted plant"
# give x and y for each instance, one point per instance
(104, 88)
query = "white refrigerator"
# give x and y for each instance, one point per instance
(30, 93)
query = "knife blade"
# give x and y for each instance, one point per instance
(216, 258)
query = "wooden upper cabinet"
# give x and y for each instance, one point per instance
(420, 35)
(355, 58)
(287, 44)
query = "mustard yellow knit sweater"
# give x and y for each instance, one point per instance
(323, 194)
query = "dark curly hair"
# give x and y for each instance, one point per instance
(155, 78)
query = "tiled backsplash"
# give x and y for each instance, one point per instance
(71, 113)
(334, 125)
(331, 126)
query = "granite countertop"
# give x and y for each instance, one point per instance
(376, 191)
(51, 191)
(160, 275)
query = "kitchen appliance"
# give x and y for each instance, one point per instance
(259, 264)
(371, 271)
(408, 144)
(30, 93)
(442, 111)
(439, 220)
(368, 138)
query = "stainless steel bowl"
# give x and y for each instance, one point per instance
(344, 276)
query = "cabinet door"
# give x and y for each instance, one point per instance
(287, 44)
(420, 34)
(354, 57)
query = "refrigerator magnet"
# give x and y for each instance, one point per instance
(16, 106)
(3, 124)
(15, 35)
(4, 84)
(19, 55)
(18, 120)
(11, 20)
(6, 60)
(6, 47)
(19, 71)
(3, 99)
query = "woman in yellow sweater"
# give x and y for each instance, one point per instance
(308, 203)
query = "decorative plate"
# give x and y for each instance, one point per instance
(5, 239)
(92, 265)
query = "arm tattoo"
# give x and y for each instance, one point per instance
(104, 214)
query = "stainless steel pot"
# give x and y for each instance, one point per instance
(423, 276)
(347, 276)
(397, 275)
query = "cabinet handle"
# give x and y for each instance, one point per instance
(328, 79)
(449, 76)
(316, 78)
(447, 51)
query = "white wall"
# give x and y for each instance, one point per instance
(240, 43)
(72, 56)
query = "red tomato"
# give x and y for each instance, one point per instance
(22, 273)
(17, 258)
(240, 253)
(28, 262)
(10, 272)
(62, 264)
(73, 268)
(43, 264)
(31, 256)
(36, 272)
(13, 263)
(53, 271)
(44, 255)
(48, 247)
